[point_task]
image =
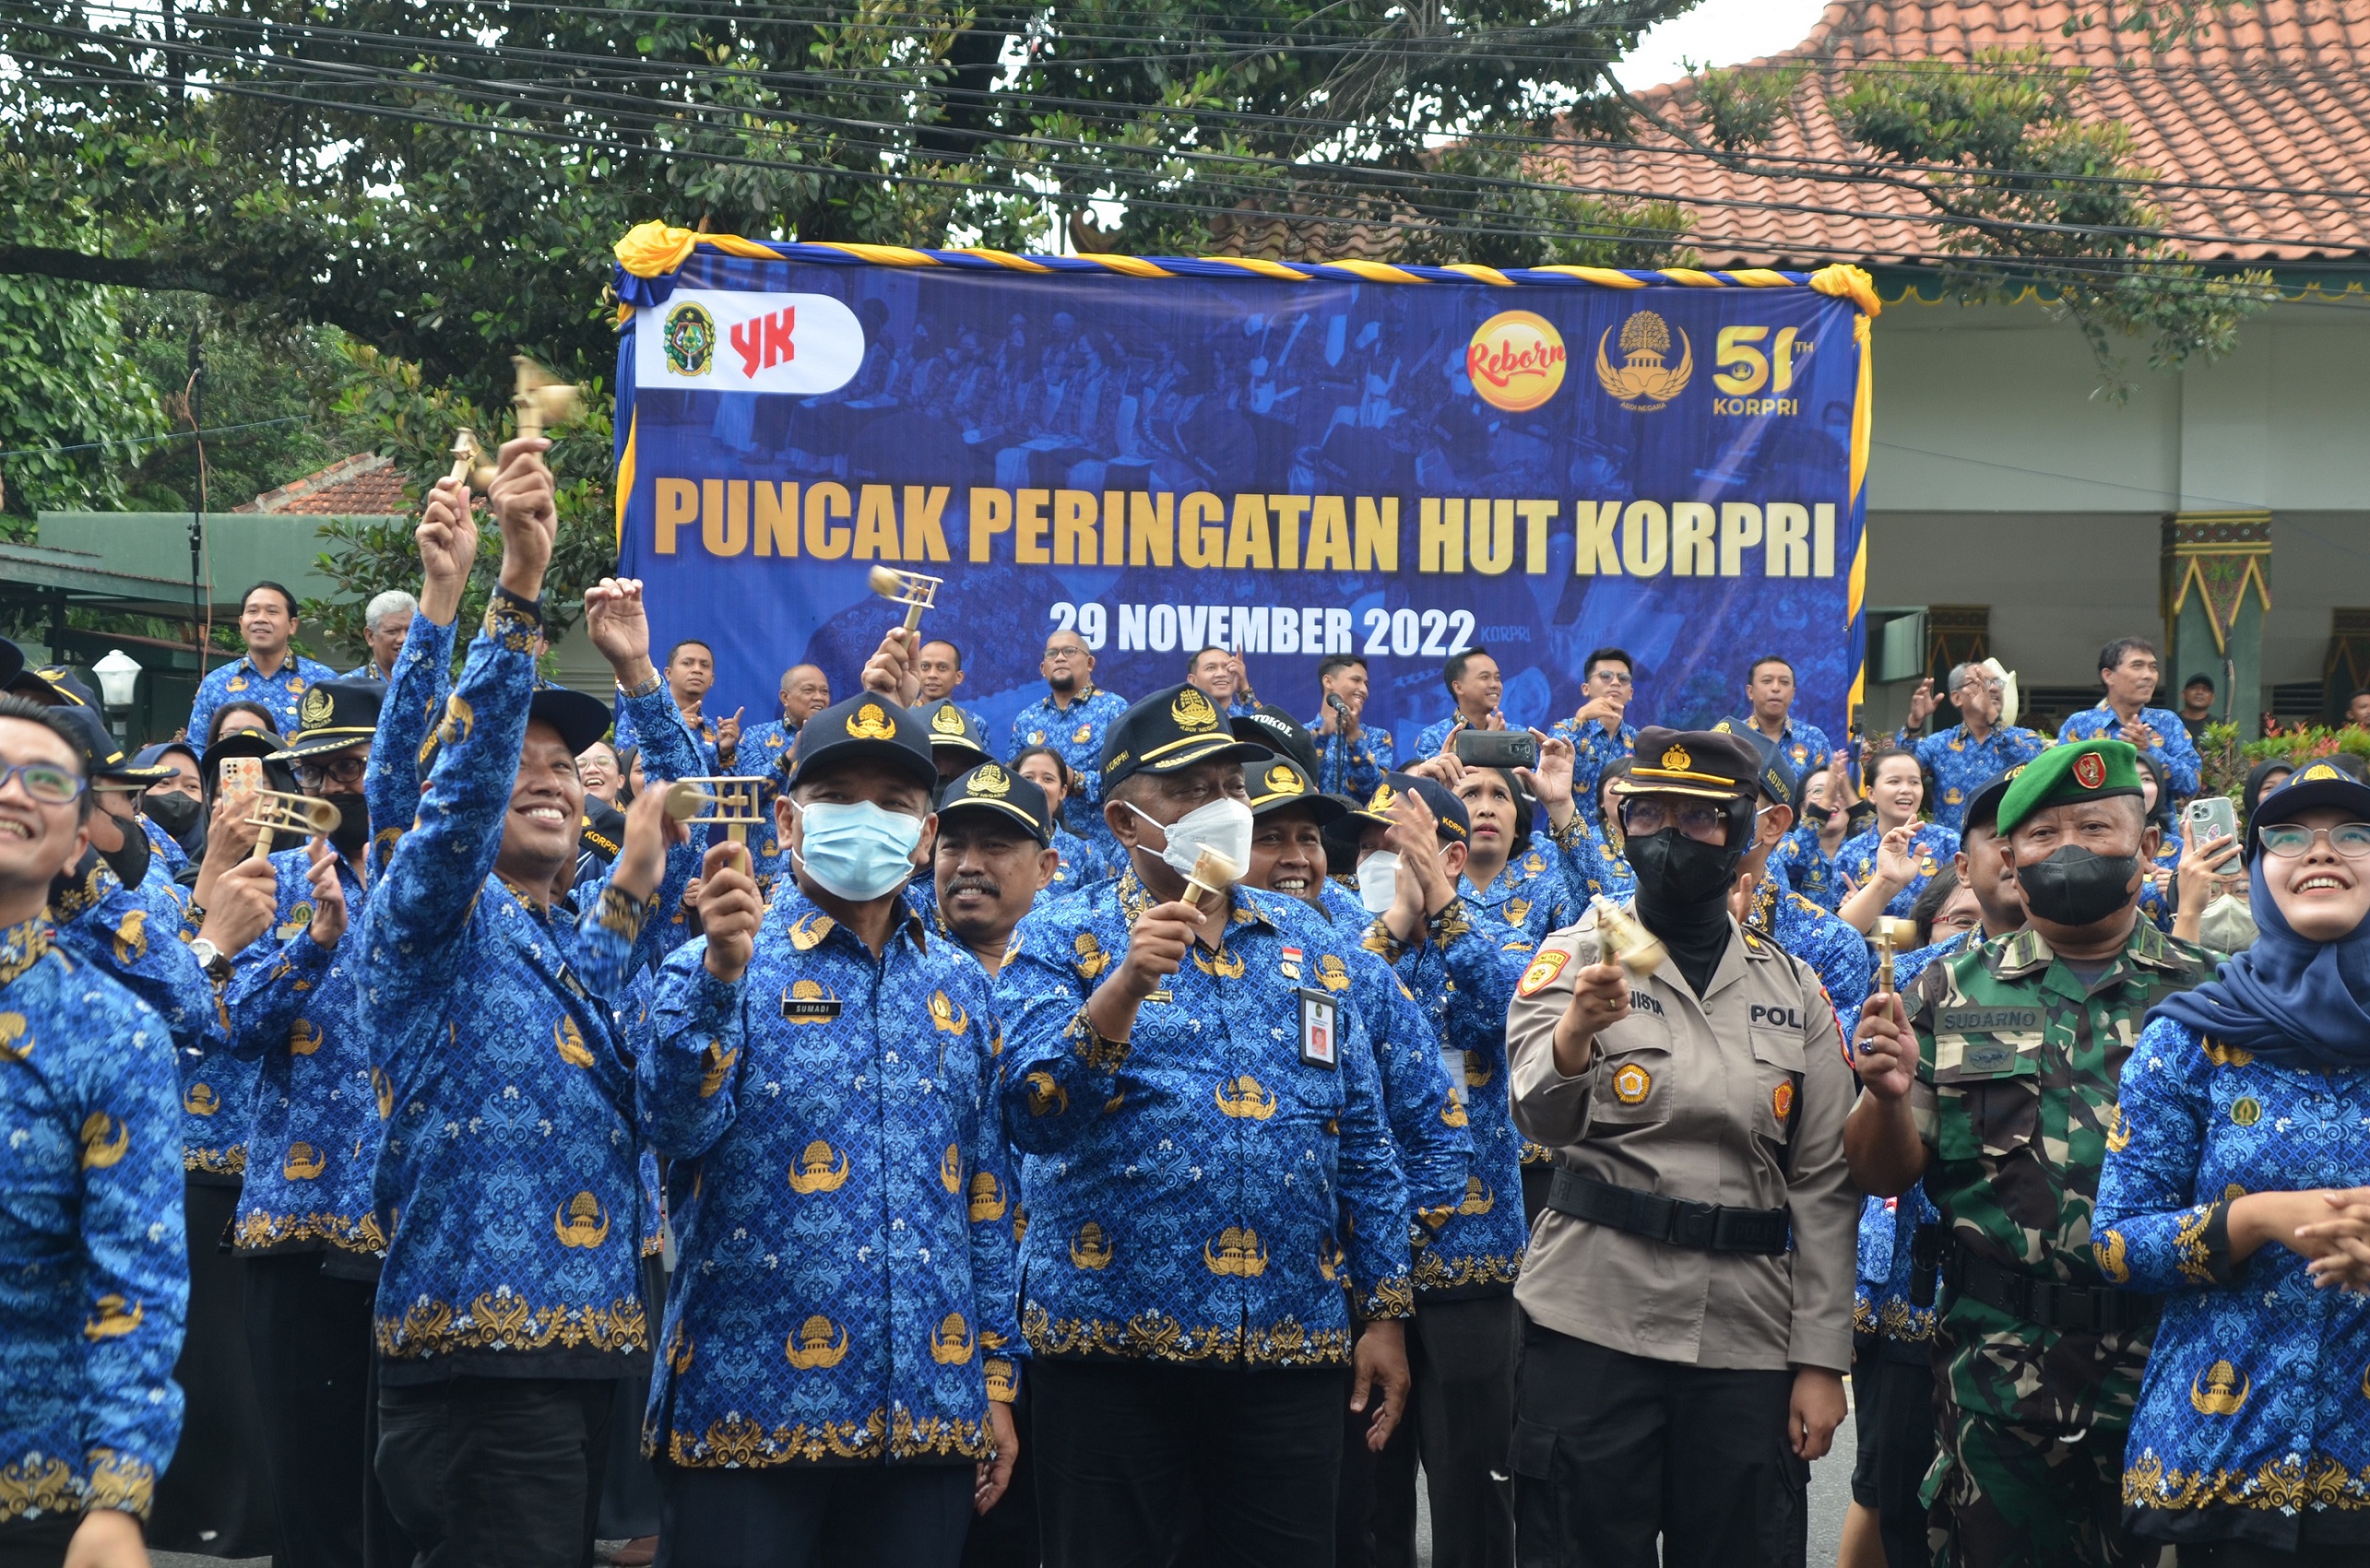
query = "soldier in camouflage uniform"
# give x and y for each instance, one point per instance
(1994, 1078)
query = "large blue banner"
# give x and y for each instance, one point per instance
(1162, 456)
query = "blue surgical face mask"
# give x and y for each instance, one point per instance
(861, 852)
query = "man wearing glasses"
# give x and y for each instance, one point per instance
(1073, 719)
(1597, 731)
(1978, 748)
(1686, 1292)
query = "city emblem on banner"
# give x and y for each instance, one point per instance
(690, 339)
(1642, 382)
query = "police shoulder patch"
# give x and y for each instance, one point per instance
(1542, 972)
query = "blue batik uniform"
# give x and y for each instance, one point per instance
(1531, 891)
(1076, 732)
(1435, 736)
(2174, 748)
(239, 681)
(1836, 953)
(1081, 864)
(1961, 765)
(1465, 970)
(1882, 1302)
(1197, 1195)
(1594, 749)
(508, 1163)
(1930, 849)
(94, 1266)
(313, 1147)
(166, 851)
(1591, 866)
(633, 717)
(1804, 866)
(2251, 1422)
(862, 1308)
(1426, 1113)
(1350, 767)
(125, 937)
(1799, 746)
(2155, 902)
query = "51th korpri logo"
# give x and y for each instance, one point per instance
(726, 340)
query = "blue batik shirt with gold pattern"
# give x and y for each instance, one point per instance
(1350, 765)
(134, 941)
(1591, 865)
(509, 1165)
(1594, 749)
(862, 1308)
(1080, 864)
(1961, 765)
(93, 1264)
(1464, 969)
(241, 681)
(1799, 746)
(2254, 1420)
(1532, 892)
(1190, 1188)
(1930, 849)
(2173, 747)
(313, 1146)
(1076, 732)
(1804, 866)
(1880, 1300)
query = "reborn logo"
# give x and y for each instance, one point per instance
(729, 340)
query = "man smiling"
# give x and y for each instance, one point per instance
(268, 673)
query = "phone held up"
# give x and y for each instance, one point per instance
(1497, 748)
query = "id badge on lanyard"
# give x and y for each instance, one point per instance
(1320, 1028)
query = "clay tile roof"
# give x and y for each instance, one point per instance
(2272, 93)
(364, 484)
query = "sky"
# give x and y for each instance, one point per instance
(1719, 32)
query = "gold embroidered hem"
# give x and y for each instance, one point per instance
(1899, 1320)
(1434, 1271)
(1391, 1299)
(231, 1162)
(1155, 1337)
(738, 1443)
(261, 1232)
(499, 1319)
(1863, 1316)
(38, 1485)
(125, 1485)
(2287, 1484)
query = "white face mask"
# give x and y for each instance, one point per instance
(2227, 924)
(1378, 880)
(1224, 825)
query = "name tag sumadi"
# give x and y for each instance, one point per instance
(808, 1009)
(1320, 1028)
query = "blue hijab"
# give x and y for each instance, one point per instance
(2295, 1003)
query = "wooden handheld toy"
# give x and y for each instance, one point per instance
(272, 812)
(912, 589)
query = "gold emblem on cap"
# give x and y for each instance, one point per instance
(989, 779)
(946, 721)
(1281, 779)
(316, 709)
(1677, 761)
(1384, 796)
(1192, 710)
(871, 723)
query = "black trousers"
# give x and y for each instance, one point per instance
(308, 1339)
(815, 1517)
(485, 1470)
(1461, 1355)
(1122, 1445)
(1006, 1534)
(216, 1495)
(1903, 1436)
(38, 1543)
(630, 1500)
(1614, 1452)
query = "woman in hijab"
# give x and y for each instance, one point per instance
(2261, 779)
(2156, 798)
(2234, 1183)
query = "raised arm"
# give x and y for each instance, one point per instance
(415, 696)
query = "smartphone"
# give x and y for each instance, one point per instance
(2211, 817)
(1497, 748)
(242, 778)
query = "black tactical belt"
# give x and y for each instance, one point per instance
(1673, 1221)
(2084, 1309)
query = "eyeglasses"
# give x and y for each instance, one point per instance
(1703, 822)
(1606, 677)
(45, 784)
(1053, 653)
(337, 770)
(2289, 840)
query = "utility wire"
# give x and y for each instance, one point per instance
(167, 436)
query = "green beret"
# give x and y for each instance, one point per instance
(2088, 770)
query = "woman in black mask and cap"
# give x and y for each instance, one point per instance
(1688, 1289)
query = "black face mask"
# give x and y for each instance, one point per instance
(171, 810)
(2076, 887)
(1677, 872)
(353, 830)
(129, 863)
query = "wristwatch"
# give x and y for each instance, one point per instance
(644, 689)
(212, 959)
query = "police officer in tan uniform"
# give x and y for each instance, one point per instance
(1688, 1287)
